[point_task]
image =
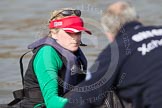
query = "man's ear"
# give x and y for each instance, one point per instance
(110, 36)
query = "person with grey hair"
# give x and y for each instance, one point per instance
(116, 16)
(131, 65)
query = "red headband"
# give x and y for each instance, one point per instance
(72, 24)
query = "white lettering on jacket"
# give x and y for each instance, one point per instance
(146, 34)
(147, 47)
(150, 46)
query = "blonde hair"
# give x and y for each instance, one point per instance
(55, 16)
(117, 15)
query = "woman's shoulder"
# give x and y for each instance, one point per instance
(49, 55)
(48, 49)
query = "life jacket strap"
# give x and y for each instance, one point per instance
(21, 66)
(33, 93)
(18, 95)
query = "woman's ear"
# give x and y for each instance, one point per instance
(53, 34)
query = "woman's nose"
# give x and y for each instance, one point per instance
(76, 37)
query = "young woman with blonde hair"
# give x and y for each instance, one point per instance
(57, 63)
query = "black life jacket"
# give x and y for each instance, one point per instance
(72, 72)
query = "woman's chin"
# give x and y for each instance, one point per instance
(74, 49)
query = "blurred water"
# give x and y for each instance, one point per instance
(22, 22)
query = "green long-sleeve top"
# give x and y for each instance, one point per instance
(46, 65)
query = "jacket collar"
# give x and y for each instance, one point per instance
(130, 26)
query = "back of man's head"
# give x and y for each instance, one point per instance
(116, 15)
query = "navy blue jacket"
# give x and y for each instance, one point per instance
(132, 66)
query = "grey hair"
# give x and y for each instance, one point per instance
(112, 20)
